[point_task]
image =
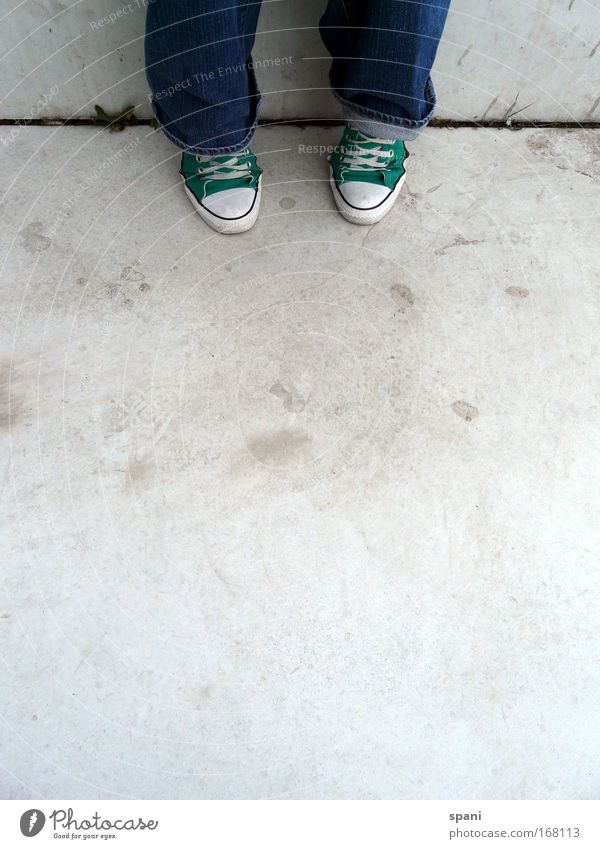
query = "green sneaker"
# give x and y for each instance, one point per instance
(224, 190)
(366, 175)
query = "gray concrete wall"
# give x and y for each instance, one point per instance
(61, 57)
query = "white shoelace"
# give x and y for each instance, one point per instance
(359, 159)
(228, 170)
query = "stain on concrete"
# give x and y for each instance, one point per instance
(103, 290)
(464, 55)
(408, 197)
(33, 238)
(403, 296)
(543, 144)
(578, 153)
(465, 410)
(114, 290)
(287, 203)
(590, 142)
(517, 292)
(280, 447)
(141, 413)
(292, 401)
(457, 242)
(144, 287)
(130, 273)
(287, 73)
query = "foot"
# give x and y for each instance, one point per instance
(366, 175)
(224, 190)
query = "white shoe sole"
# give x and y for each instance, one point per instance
(228, 226)
(365, 216)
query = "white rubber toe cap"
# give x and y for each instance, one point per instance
(364, 203)
(231, 203)
(229, 211)
(363, 195)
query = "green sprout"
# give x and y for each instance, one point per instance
(115, 123)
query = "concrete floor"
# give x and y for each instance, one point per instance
(308, 512)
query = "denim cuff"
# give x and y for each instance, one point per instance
(386, 126)
(202, 150)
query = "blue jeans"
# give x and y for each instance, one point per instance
(204, 90)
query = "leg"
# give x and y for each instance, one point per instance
(204, 95)
(383, 53)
